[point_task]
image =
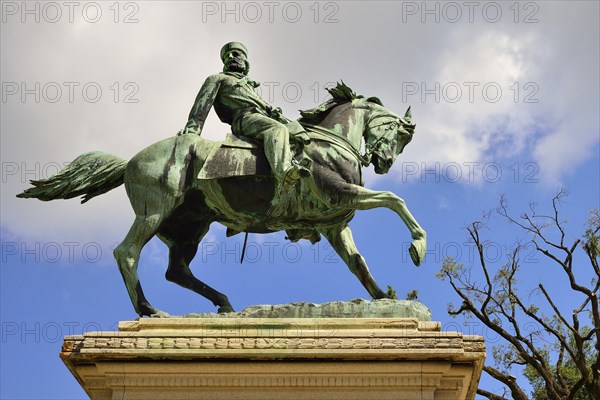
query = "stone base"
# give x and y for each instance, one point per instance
(276, 358)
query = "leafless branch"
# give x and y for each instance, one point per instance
(509, 380)
(497, 301)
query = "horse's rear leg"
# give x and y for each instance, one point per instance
(127, 255)
(181, 252)
(340, 238)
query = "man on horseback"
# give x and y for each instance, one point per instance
(238, 104)
(180, 210)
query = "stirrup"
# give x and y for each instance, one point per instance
(292, 175)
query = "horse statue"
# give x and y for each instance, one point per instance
(180, 185)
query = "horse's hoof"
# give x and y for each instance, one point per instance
(160, 314)
(225, 309)
(417, 250)
(414, 255)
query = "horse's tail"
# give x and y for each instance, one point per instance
(89, 175)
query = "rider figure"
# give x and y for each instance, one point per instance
(238, 104)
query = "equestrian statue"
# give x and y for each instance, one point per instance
(270, 174)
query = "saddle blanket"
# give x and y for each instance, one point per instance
(237, 156)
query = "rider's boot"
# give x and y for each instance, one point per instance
(286, 183)
(295, 172)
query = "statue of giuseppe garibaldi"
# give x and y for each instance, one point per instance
(237, 103)
(160, 187)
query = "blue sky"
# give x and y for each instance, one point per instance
(505, 103)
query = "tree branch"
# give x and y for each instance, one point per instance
(490, 395)
(496, 302)
(509, 380)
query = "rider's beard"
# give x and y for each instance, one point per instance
(236, 66)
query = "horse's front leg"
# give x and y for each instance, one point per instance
(340, 238)
(361, 198)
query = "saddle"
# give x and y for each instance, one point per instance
(236, 156)
(242, 156)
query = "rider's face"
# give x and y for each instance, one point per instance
(235, 61)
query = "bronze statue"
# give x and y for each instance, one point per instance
(180, 185)
(238, 104)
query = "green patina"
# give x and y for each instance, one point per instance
(303, 177)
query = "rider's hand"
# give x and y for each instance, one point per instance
(302, 137)
(188, 129)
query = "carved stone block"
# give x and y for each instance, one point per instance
(275, 358)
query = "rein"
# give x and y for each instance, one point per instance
(328, 135)
(370, 148)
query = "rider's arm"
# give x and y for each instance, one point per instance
(204, 101)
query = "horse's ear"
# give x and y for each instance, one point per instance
(375, 100)
(408, 115)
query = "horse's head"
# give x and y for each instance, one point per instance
(386, 135)
(351, 116)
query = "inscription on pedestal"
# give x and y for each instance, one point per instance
(274, 358)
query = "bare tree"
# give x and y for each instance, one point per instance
(571, 347)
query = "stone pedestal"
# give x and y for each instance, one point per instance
(276, 358)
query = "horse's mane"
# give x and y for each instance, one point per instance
(340, 94)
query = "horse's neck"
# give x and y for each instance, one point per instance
(347, 121)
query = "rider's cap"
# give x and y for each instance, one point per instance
(233, 46)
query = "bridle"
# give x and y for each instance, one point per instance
(393, 121)
(328, 135)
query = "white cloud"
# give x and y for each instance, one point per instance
(548, 111)
(170, 51)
